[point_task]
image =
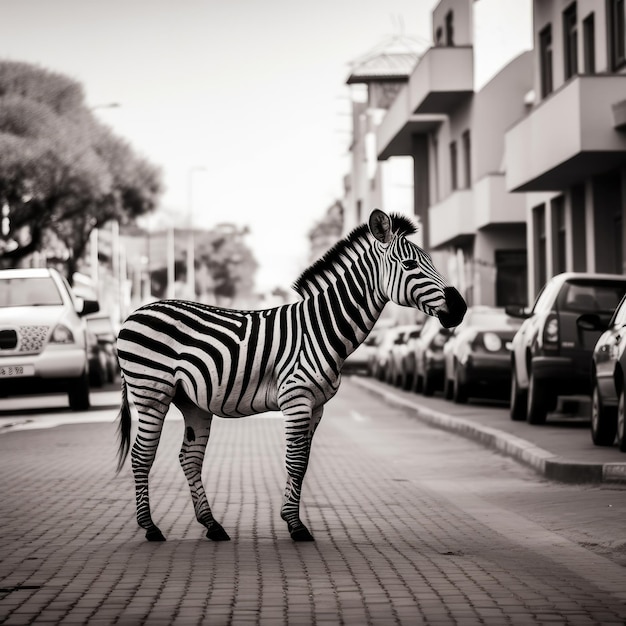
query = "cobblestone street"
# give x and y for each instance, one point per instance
(412, 525)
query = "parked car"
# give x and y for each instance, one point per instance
(43, 337)
(477, 357)
(427, 357)
(399, 369)
(102, 336)
(553, 348)
(390, 339)
(608, 379)
(359, 362)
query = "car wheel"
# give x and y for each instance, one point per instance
(428, 386)
(448, 388)
(459, 394)
(603, 420)
(519, 399)
(419, 383)
(96, 376)
(408, 379)
(621, 423)
(110, 373)
(538, 401)
(78, 393)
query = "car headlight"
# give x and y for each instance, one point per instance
(62, 334)
(492, 342)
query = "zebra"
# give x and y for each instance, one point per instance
(208, 360)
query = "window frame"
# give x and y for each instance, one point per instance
(570, 41)
(616, 33)
(546, 61)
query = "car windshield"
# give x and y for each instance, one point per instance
(29, 291)
(599, 297)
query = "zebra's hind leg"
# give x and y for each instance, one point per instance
(300, 428)
(197, 432)
(152, 406)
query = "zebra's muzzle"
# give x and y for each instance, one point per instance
(452, 313)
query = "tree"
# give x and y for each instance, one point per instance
(60, 169)
(229, 261)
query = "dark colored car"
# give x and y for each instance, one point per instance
(477, 356)
(607, 380)
(427, 355)
(553, 348)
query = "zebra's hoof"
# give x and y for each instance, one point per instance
(217, 533)
(301, 534)
(154, 534)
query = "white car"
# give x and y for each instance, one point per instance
(43, 340)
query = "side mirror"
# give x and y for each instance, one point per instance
(89, 306)
(590, 321)
(517, 310)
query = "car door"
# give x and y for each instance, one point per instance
(609, 346)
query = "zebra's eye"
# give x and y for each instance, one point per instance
(410, 264)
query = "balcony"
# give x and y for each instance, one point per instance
(395, 132)
(493, 205)
(442, 79)
(452, 220)
(568, 137)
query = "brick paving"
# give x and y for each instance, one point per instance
(407, 532)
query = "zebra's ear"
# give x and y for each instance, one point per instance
(380, 226)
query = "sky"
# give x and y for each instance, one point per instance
(241, 103)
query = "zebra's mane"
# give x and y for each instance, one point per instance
(400, 225)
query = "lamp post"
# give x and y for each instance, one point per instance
(191, 256)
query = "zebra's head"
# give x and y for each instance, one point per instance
(408, 276)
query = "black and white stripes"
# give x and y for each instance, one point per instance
(214, 361)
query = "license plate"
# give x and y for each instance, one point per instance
(15, 371)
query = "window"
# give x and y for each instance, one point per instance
(454, 177)
(618, 245)
(615, 25)
(436, 168)
(511, 277)
(545, 60)
(467, 158)
(558, 221)
(449, 28)
(589, 44)
(539, 221)
(570, 41)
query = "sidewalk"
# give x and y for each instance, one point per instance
(559, 450)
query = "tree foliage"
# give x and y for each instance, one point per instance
(60, 169)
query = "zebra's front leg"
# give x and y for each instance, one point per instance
(197, 432)
(300, 428)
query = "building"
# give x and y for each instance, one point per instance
(454, 134)
(567, 156)
(375, 80)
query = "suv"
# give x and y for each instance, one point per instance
(552, 350)
(43, 342)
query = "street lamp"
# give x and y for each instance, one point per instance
(191, 260)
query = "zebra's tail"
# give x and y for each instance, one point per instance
(123, 428)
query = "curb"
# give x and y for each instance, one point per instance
(549, 465)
